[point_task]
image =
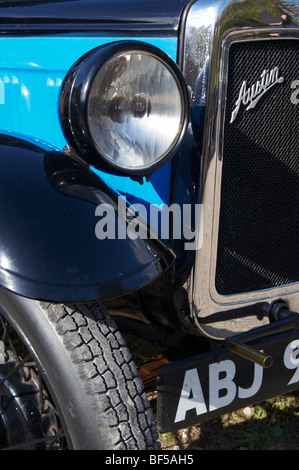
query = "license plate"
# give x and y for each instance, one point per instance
(209, 385)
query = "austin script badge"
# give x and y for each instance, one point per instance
(250, 96)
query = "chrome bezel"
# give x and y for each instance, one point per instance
(231, 38)
(208, 86)
(75, 98)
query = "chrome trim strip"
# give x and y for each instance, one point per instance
(211, 27)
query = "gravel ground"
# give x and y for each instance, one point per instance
(272, 425)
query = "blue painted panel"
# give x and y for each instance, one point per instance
(32, 70)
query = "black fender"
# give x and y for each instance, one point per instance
(48, 246)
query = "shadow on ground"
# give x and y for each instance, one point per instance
(272, 425)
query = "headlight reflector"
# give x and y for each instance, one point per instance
(125, 107)
(134, 110)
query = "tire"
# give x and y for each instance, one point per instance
(91, 380)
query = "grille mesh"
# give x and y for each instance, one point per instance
(259, 213)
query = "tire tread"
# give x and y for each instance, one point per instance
(108, 373)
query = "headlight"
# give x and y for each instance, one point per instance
(124, 106)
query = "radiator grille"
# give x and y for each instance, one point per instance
(259, 213)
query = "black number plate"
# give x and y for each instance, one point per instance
(203, 387)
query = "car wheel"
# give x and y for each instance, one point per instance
(67, 380)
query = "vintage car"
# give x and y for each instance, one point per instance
(149, 168)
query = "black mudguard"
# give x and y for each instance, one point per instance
(48, 246)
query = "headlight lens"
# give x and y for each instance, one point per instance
(135, 113)
(127, 109)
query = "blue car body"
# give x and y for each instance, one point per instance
(31, 75)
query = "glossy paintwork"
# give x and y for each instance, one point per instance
(112, 14)
(32, 70)
(49, 249)
(55, 265)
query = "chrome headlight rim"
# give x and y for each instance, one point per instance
(74, 101)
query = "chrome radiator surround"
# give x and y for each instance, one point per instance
(211, 27)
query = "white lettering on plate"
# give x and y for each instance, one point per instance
(291, 359)
(222, 386)
(222, 389)
(191, 396)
